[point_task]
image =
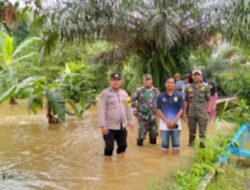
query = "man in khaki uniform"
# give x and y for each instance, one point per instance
(114, 112)
(197, 97)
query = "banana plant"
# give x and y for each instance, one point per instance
(75, 84)
(70, 94)
(9, 55)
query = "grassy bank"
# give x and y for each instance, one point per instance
(235, 176)
(203, 162)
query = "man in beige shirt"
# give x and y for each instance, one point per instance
(114, 112)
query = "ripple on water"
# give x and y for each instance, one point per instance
(70, 156)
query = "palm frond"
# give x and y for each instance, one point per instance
(24, 44)
(35, 102)
(7, 94)
(56, 103)
(8, 49)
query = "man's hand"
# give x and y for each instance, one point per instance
(169, 125)
(172, 123)
(208, 115)
(104, 130)
(135, 113)
(177, 87)
(185, 116)
(131, 127)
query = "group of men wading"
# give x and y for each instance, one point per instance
(179, 101)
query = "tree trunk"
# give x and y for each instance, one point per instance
(13, 101)
(51, 118)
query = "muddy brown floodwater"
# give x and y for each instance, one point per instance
(70, 156)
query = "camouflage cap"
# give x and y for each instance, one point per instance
(177, 75)
(147, 77)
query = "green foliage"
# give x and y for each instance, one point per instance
(51, 66)
(163, 24)
(237, 82)
(236, 176)
(9, 57)
(7, 94)
(206, 158)
(57, 103)
(237, 113)
(159, 66)
(77, 88)
(71, 88)
(10, 54)
(132, 73)
(238, 22)
(152, 29)
(221, 58)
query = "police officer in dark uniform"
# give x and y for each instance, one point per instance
(197, 98)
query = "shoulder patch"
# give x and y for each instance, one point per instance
(190, 89)
(124, 92)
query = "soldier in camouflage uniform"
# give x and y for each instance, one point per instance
(197, 98)
(144, 103)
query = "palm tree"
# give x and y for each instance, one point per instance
(153, 29)
(162, 32)
(237, 26)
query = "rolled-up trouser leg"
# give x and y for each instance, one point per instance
(192, 125)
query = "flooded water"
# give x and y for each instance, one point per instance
(38, 156)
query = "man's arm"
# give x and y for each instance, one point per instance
(208, 96)
(160, 113)
(177, 87)
(162, 116)
(101, 113)
(177, 117)
(134, 98)
(129, 113)
(134, 103)
(185, 103)
(130, 118)
(180, 112)
(185, 107)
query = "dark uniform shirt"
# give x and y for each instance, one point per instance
(197, 97)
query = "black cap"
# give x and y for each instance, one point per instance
(115, 76)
